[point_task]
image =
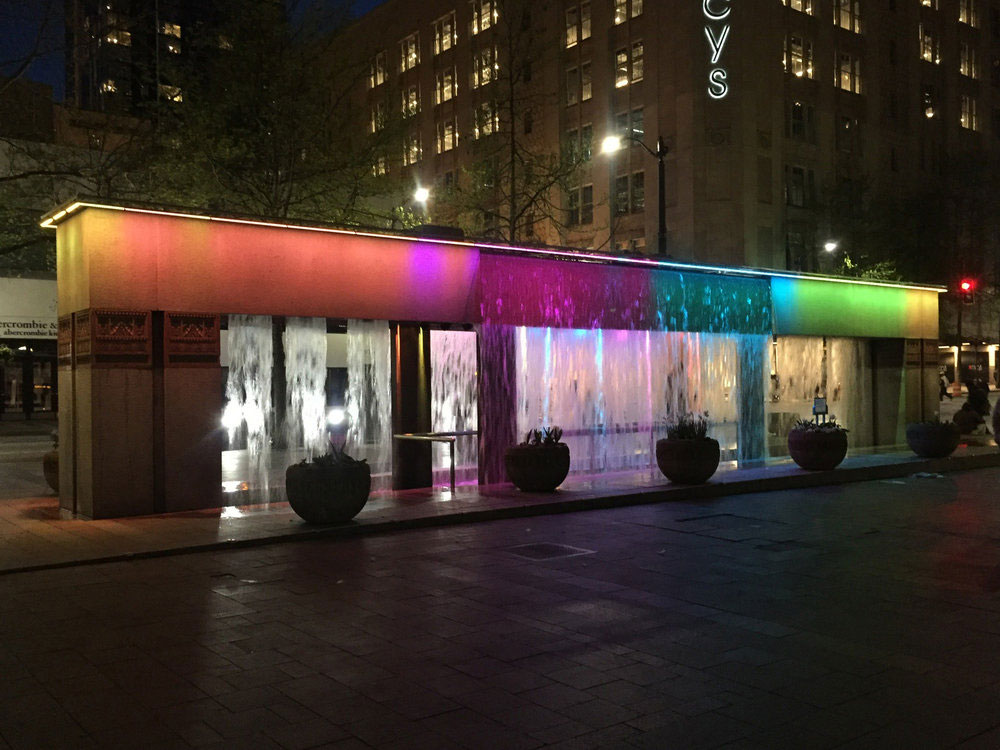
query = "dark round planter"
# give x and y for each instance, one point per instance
(537, 468)
(996, 424)
(328, 494)
(691, 461)
(817, 450)
(50, 468)
(933, 440)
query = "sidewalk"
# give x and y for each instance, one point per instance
(36, 534)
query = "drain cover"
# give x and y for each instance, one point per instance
(547, 551)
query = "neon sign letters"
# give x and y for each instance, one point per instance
(717, 33)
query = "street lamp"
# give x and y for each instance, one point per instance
(830, 246)
(613, 143)
(421, 195)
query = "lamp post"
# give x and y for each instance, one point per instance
(613, 143)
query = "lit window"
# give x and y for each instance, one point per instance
(487, 120)
(224, 42)
(411, 150)
(117, 29)
(930, 4)
(967, 12)
(930, 49)
(929, 101)
(108, 86)
(803, 6)
(572, 26)
(637, 121)
(409, 52)
(968, 115)
(967, 60)
(621, 195)
(638, 197)
(170, 29)
(636, 8)
(173, 46)
(584, 21)
(621, 11)
(848, 72)
(379, 166)
(636, 61)
(586, 82)
(447, 136)
(377, 117)
(171, 93)
(800, 125)
(445, 85)
(847, 14)
(580, 205)
(799, 57)
(411, 101)
(377, 71)
(621, 68)
(484, 15)
(848, 135)
(484, 67)
(445, 33)
(586, 141)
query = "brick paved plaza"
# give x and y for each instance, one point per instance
(855, 616)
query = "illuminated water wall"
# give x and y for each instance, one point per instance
(248, 393)
(454, 401)
(304, 342)
(369, 397)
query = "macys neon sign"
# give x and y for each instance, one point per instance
(717, 32)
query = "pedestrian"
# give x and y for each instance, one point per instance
(945, 387)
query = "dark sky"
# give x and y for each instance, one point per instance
(25, 22)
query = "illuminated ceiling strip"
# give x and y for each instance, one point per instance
(49, 222)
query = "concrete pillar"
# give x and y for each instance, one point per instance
(497, 400)
(411, 404)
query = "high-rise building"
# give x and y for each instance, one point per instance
(779, 119)
(119, 53)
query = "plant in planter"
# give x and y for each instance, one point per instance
(540, 463)
(933, 439)
(818, 446)
(329, 489)
(687, 455)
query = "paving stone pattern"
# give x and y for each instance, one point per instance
(857, 616)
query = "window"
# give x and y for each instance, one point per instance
(117, 29)
(447, 136)
(968, 113)
(409, 52)
(630, 193)
(487, 120)
(484, 15)
(799, 57)
(636, 8)
(445, 33)
(637, 121)
(803, 6)
(930, 4)
(586, 82)
(930, 49)
(848, 72)
(171, 93)
(376, 71)
(586, 141)
(584, 21)
(967, 12)
(581, 206)
(109, 86)
(411, 101)
(572, 26)
(170, 29)
(411, 150)
(377, 117)
(621, 195)
(445, 85)
(800, 124)
(628, 67)
(379, 166)
(638, 191)
(929, 99)
(967, 60)
(848, 135)
(621, 11)
(484, 67)
(847, 14)
(799, 186)
(572, 86)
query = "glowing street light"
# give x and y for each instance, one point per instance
(421, 195)
(611, 144)
(830, 246)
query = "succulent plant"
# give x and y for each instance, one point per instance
(544, 436)
(689, 427)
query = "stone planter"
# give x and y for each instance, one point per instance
(688, 461)
(328, 494)
(933, 439)
(50, 468)
(537, 468)
(817, 450)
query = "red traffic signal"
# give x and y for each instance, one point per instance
(967, 288)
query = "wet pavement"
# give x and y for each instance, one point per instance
(864, 615)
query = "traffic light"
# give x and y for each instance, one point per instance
(967, 290)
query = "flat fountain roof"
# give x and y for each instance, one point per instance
(65, 211)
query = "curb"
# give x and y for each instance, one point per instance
(548, 506)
